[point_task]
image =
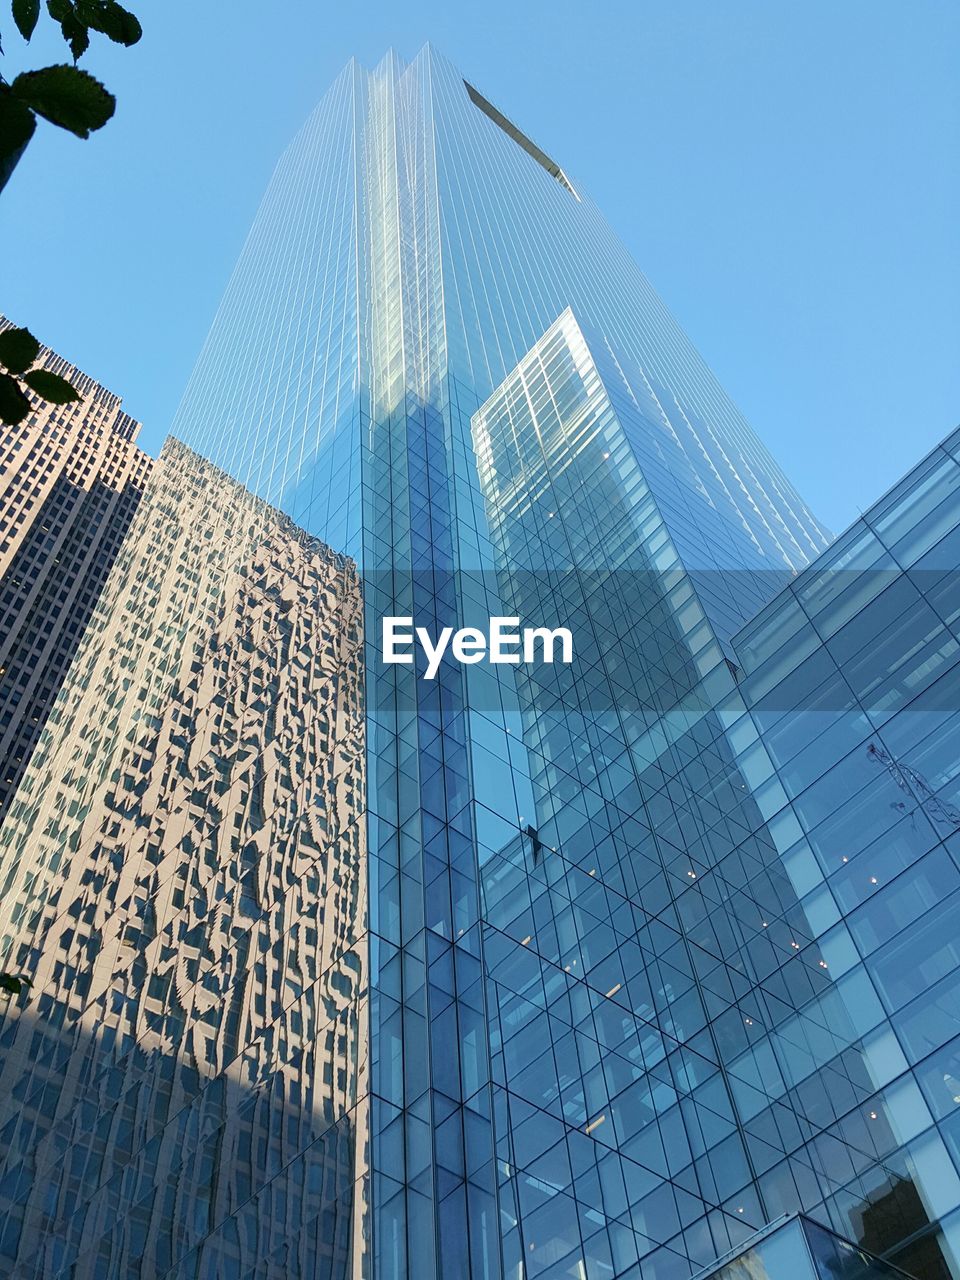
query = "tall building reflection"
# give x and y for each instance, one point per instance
(668, 974)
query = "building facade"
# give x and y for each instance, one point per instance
(412, 247)
(552, 988)
(852, 684)
(682, 782)
(185, 884)
(70, 480)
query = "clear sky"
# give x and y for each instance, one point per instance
(787, 173)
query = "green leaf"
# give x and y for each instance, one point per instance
(51, 386)
(18, 349)
(12, 983)
(111, 18)
(76, 35)
(17, 123)
(73, 30)
(14, 405)
(66, 96)
(25, 15)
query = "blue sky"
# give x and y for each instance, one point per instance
(786, 174)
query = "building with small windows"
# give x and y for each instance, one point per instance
(70, 479)
(184, 880)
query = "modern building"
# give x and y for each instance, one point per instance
(568, 978)
(694, 797)
(851, 679)
(70, 480)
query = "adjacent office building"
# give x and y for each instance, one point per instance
(185, 882)
(594, 970)
(70, 480)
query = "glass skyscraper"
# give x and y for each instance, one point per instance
(583, 970)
